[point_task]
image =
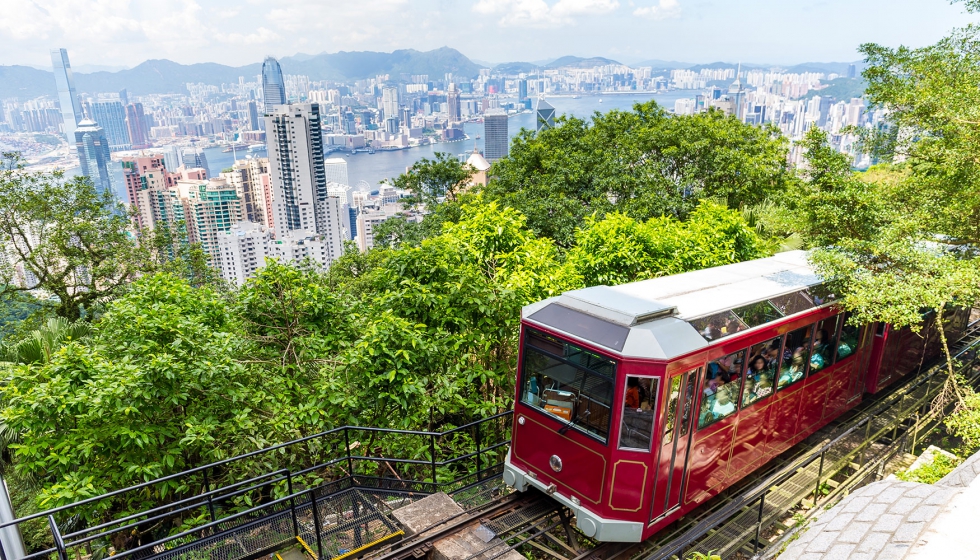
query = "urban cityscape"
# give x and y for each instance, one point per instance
(489, 280)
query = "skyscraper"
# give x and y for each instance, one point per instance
(71, 107)
(111, 116)
(253, 115)
(299, 182)
(452, 104)
(389, 102)
(336, 170)
(273, 86)
(495, 134)
(736, 94)
(545, 115)
(521, 90)
(136, 125)
(194, 157)
(93, 153)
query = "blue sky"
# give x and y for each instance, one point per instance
(127, 32)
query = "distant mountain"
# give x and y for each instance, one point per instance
(826, 67)
(165, 76)
(579, 62)
(25, 82)
(516, 67)
(841, 89)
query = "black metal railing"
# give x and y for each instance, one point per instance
(197, 509)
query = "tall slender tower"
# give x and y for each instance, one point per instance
(737, 94)
(545, 114)
(71, 107)
(495, 137)
(93, 153)
(273, 86)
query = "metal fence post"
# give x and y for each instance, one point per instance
(432, 451)
(350, 462)
(816, 490)
(292, 502)
(316, 524)
(758, 526)
(59, 543)
(207, 489)
(479, 468)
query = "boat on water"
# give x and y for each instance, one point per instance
(256, 148)
(577, 97)
(600, 100)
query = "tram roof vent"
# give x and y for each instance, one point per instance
(616, 306)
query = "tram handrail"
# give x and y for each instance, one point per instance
(758, 491)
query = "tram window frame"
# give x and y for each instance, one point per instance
(733, 393)
(845, 317)
(833, 344)
(652, 398)
(675, 385)
(773, 371)
(788, 356)
(543, 345)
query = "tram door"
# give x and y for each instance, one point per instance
(675, 443)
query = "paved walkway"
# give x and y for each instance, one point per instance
(891, 520)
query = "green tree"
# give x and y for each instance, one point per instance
(643, 163)
(71, 238)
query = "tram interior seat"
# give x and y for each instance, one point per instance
(637, 429)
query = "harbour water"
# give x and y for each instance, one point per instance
(374, 168)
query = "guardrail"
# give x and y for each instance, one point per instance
(195, 507)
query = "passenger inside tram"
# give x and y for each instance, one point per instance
(721, 388)
(795, 357)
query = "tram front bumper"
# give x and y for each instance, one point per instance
(592, 525)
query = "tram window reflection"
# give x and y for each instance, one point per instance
(722, 383)
(760, 375)
(795, 360)
(824, 339)
(639, 414)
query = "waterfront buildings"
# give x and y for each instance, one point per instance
(389, 102)
(273, 86)
(93, 154)
(71, 107)
(111, 116)
(136, 126)
(496, 140)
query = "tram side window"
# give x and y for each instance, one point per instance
(795, 357)
(670, 416)
(722, 383)
(760, 375)
(568, 382)
(639, 413)
(849, 336)
(824, 341)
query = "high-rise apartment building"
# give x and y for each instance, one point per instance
(194, 157)
(93, 154)
(147, 183)
(251, 180)
(71, 107)
(273, 85)
(111, 116)
(545, 115)
(295, 144)
(389, 102)
(139, 136)
(210, 207)
(336, 170)
(496, 139)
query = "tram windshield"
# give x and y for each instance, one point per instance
(569, 382)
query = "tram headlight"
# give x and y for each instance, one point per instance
(555, 463)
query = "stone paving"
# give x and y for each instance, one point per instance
(891, 519)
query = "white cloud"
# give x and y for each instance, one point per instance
(538, 13)
(663, 10)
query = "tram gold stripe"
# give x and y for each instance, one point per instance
(307, 547)
(369, 545)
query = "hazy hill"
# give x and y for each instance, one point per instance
(579, 62)
(656, 63)
(165, 76)
(516, 67)
(842, 89)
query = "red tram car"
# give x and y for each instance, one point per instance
(638, 402)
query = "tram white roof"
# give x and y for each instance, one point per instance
(652, 317)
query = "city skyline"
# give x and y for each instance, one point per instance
(485, 30)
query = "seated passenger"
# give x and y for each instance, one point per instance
(632, 393)
(794, 371)
(758, 379)
(723, 405)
